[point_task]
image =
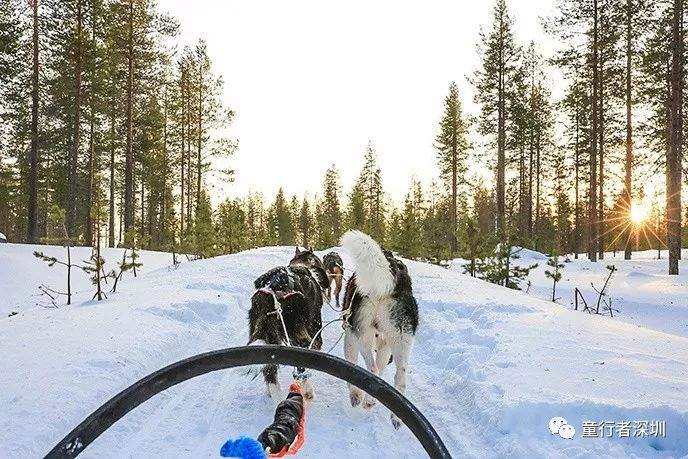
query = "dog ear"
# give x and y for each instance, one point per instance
(310, 248)
(297, 250)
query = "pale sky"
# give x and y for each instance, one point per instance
(313, 80)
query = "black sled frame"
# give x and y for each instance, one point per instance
(118, 406)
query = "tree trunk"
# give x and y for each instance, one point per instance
(538, 166)
(674, 150)
(90, 178)
(600, 132)
(32, 224)
(628, 196)
(111, 226)
(501, 163)
(454, 244)
(91, 149)
(163, 194)
(183, 138)
(76, 135)
(576, 210)
(129, 154)
(199, 159)
(531, 162)
(188, 155)
(143, 203)
(592, 192)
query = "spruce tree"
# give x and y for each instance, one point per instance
(452, 151)
(493, 82)
(305, 221)
(328, 214)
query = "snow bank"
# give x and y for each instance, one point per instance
(641, 290)
(489, 368)
(21, 273)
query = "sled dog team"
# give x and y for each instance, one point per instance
(379, 310)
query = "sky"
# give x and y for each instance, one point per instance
(312, 81)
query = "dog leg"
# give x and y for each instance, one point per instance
(308, 390)
(273, 387)
(384, 352)
(367, 351)
(401, 353)
(337, 288)
(351, 346)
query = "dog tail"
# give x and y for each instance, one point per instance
(373, 276)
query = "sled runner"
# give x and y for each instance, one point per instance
(117, 407)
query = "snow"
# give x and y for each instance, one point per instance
(21, 273)
(640, 289)
(489, 368)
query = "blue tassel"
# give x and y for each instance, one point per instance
(243, 447)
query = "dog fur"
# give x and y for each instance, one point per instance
(298, 288)
(382, 313)
(334, 266)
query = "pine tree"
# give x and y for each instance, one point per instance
(493, 83)
(280, 223)
(32, 229)
(203, 230)
(231, 224)
(305, 220)
(452, 151)
(674, 152)
(366, 209)
(554, 274)
(472, 244)
(410, 235)
(328, 213)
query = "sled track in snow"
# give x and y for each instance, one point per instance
(117, 407)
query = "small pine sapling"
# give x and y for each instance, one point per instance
(52, 261)
(603, 293)
(125, 265)
(57, 234)
(554, 274)
(499, 269)
(130, 243)
(134, 260)
(94, 267)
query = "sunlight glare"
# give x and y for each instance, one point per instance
(639, 212)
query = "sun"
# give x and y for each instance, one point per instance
(639, 212)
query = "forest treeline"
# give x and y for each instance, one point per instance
(109, 127)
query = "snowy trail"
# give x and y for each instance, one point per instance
(488, 369)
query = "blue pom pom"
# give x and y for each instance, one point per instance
(243, 447)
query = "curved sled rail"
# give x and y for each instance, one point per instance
(118, 406)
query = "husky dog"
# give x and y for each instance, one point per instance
(297, 289)
(335, 272)
(382, 313)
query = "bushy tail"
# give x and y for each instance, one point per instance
(373, 276)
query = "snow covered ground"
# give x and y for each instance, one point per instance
(21, 273)
(489, 368)
(641, 289)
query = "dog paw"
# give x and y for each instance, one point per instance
(274, 391)
(356, 398)
(396, 422)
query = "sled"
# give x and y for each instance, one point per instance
(117, 407)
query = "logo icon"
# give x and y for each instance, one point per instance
(559, 426)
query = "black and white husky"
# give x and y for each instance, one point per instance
(298, 290)
(382, 313)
